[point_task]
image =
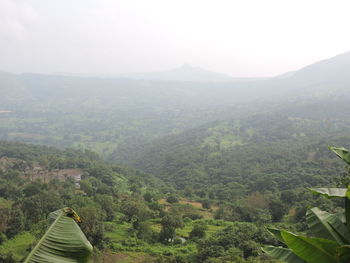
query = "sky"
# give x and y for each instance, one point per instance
(242, 38)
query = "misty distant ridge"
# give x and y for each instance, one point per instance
(186, 72)
(333, 69)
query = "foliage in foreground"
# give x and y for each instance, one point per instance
(63, 241)
(330, 242)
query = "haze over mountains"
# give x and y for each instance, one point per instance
(56, 109)
(184, 73)
(325, 75)
(323, 71)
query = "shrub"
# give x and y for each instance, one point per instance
(172, 199)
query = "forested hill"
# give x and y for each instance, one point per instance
(284, 148)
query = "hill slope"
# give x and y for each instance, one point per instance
(287, 145)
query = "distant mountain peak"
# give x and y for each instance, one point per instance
(194, 69)
(185, 72)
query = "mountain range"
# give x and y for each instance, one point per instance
(106, 114)
(319, 72)
(323, 78)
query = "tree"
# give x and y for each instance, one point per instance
(149, 197)
(232, 244)
(198, 230)
(33, 188)
(134, 209)
(92, 225)
(331, 236)
(36, 207)
(107, 205)
(169, 224)
(188, 191)
(4, 215)
(3, 238)
(145, 232)
(277, 211)
(206, 204)
(15, 222)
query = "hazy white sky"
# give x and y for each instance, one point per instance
(237, 37)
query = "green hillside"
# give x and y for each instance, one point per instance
(287, 145)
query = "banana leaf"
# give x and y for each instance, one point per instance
(283, 254)
(325, 225)
(312, 250)
(276, 233)
(337, 192)
(330, 192)
(342, 153)
(63, 241)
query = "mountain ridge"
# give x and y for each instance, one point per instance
(334, 69)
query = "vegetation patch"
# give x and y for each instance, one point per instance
(19, 246)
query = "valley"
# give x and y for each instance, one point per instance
(168, 170)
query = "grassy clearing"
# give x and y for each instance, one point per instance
(126, 248)
(213, 226)
(122, 240)
(127, 257)
(195, 204)
(118, 232)
(197, 207)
